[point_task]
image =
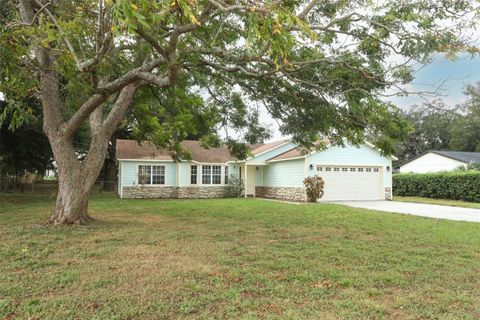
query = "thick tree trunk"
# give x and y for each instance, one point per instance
(74, 185)
(72, 203)
(76, 177)
(75, 181)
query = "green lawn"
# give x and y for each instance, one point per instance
(242, 259)
(443, 202)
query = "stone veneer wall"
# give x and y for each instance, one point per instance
(388, 193)
(284, 193)
(198, 192)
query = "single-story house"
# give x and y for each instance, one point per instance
(435, 161)
(274, 170)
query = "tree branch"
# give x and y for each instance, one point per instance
(83, 113)
(105, 91)
(62, 33)
(308, 8)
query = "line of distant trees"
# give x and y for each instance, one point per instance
(437, 126)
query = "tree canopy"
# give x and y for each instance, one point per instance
(318, 67)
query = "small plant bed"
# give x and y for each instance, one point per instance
(442, 202)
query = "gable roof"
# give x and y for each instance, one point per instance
(465, 157)
(132, 150)
(261, 148)
(289, 154)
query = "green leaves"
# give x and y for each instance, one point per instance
(166, 118)
(228, 63)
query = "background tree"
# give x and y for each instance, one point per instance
(437, 126)
(318, 67)
(431, 124)
(465, 130)
(25, 149)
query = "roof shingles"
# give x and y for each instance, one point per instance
(467, 157)
(259, 148)
(132, 150)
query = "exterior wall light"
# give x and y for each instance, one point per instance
(311, 167)
(388, 168)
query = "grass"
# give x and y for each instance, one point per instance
(442, 202)
(234, 259)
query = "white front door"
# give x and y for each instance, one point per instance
(351, 182)
(251, 181)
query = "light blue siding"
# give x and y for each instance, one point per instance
(259, 176)
(233, 169)
(173, 172)
(351, 155)
(129, 172)
(184, 173)
(284, 173)
(271, 153)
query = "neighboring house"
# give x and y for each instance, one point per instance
(275, 170)
(434, 161)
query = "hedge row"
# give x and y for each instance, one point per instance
(444, 185)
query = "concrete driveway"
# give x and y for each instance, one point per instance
(418, 209)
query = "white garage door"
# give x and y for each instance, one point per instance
(351, 182)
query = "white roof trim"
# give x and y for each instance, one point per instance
(273, 148)
(190, 161)
(256, 164)
(371, 145)
(213, 163)
(144, 160)
(294, 158)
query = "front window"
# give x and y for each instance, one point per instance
(206, 174)
(216, 174)
(151, 175)
(158, 174)
(193, 174)
(226, 174)
(144, 174)
(211, 174)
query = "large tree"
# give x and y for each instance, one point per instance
(318, 67)
(431, 126)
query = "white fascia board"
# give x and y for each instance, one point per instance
(273, 148)
(371, 145)
(256, 164)
(211, 163)
(294, 158)
(145, 160)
